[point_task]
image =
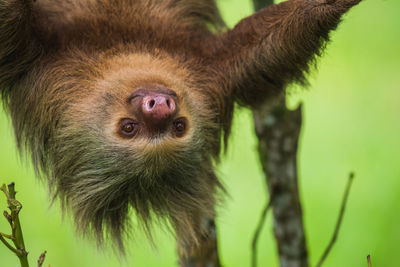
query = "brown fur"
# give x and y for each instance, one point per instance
(67, 68)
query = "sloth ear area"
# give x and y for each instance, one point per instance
(19, 45)
(27, 31)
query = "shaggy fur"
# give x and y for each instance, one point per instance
(67, 68)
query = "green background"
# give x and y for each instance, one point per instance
(351, 123)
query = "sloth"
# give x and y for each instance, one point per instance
(124, 106)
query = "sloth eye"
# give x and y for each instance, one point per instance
(180, 127)
(128, 128)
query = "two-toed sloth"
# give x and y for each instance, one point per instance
(123, 104)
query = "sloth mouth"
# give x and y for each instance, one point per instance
(177, 129)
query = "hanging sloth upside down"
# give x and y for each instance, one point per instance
(123, 104)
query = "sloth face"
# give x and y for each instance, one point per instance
(138, 136)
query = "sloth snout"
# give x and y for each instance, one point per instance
(158, 107)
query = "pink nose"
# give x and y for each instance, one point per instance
(158, 107)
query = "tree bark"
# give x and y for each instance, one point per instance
(206, 254)
(278, 130)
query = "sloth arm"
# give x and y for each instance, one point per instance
(273, 47)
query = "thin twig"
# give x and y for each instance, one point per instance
(7, 236)
(257, 232)
(339, 221)
(369, 261)
(13, 218)
(8, 217)
(4, 189)
(8, 245)
(41, 258)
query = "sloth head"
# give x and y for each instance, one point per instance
(134, 135)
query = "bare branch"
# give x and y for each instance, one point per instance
(8, 245)
(257, 232)
(206, 252)
(339, 221)
(278, 131)
(4, 189)
(13, 219)
(41, 258)
(369, 261)
(7, 236)
(8, 217)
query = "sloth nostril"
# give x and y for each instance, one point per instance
(151, 103)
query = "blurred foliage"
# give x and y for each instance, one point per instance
(351, 122)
